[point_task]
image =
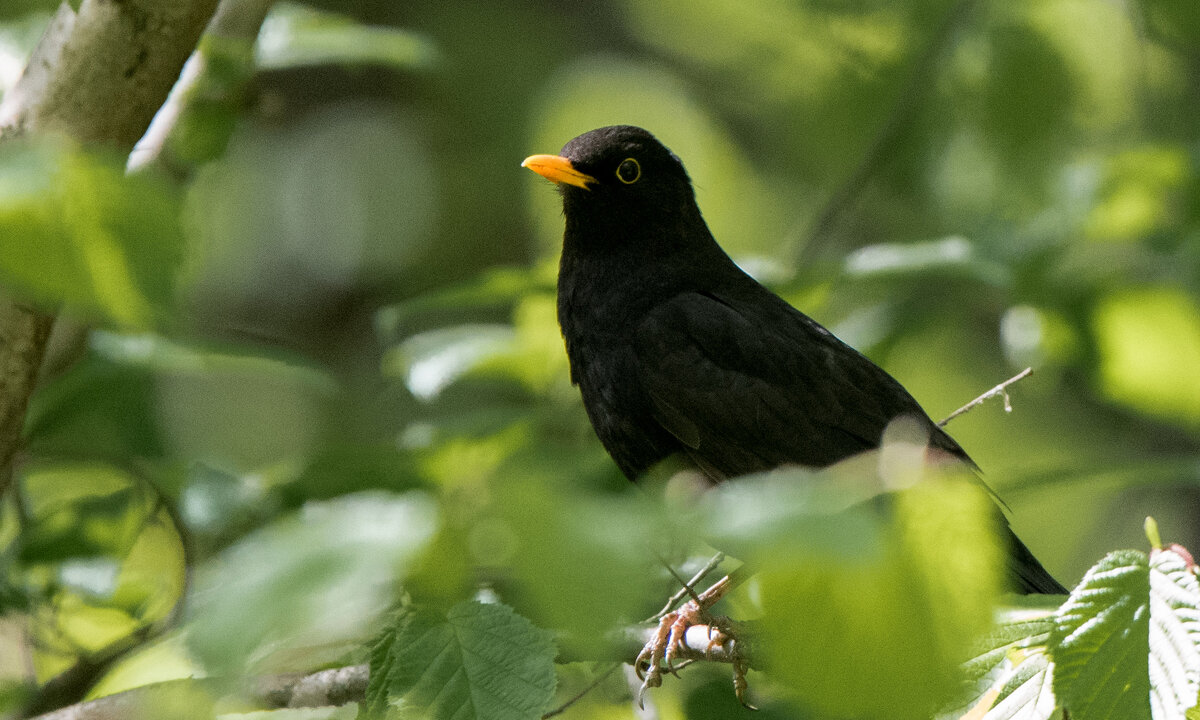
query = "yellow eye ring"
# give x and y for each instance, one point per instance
(629, 171)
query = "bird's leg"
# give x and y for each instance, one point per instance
(664, 646)
(686, 588)
(740, 668)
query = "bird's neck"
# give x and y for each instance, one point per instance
(607, 282)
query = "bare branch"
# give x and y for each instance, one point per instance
(1001, 389)
(332, 687)
(99, 75)
(337, 686)
(229, 41)
(687, 585)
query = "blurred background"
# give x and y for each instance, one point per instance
(338, 347)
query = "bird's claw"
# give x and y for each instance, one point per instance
(740, 667)
(670, 637)
(664, 648)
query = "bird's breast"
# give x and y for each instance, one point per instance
(604, 366)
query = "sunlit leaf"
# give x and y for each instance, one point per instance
(1174, 635)
(873, 619)
(955, 255)
(1100, 641)
(1086, 38)
(1125, 606)
(432, 360)
(1140, 193)
(176, 693)
(1149, 343)
(79, 510)
(1012, 675)
(795, 512)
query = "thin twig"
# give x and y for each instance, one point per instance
(579, 695)
(688, 587)
(1001, 389)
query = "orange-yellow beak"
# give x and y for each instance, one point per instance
(557, 169)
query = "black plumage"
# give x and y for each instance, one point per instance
(676, 350)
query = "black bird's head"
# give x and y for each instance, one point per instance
(621, 185)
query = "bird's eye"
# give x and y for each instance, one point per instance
(629, 171)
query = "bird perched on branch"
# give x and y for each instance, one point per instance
(677, 351)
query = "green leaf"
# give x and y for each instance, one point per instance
(1149, 343)
(433, 360)
(496, 290)
(1125, 606)
(795, 512)
(1174, 636)
(1140, 194)
(295, 36)
(14, 9)
(234, 409)
(947, 256)
(581, 563)
(528, 352)
(78, 510)
(478, 662)
(1018, 52)
(1028, 692)
(312, 580)
(1100, 640)
(874, 620)
(78, 231)
(1012, 673)
(96, 408)
(380, 662)
(343, 468)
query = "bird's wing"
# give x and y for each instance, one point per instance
(748, 384)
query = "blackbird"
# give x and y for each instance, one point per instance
(677, 351)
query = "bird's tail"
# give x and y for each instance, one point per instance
(1028, 575)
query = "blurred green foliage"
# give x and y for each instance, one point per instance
(308, 355)
(82, 233)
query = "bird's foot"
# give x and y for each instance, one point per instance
(670, 642)
(740, 668)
